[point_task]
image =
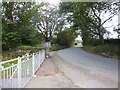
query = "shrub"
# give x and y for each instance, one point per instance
(76, 43)
(56, 47)
(10, 40)
(21, 50)
(66, 38)
(108, 49)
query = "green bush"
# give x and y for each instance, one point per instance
(56, 47)
(108, 49)
(21, 50)
(10, 40)
(66, 38)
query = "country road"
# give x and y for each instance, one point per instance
(104, 69)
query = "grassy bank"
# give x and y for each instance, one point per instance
(109, 50)
(19, 51)
(77, 44)
(56, 47)
(22, 50)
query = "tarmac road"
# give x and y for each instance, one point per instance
(105, 67)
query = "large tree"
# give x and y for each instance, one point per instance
(18, 24)
(87, 16)
(49, 21)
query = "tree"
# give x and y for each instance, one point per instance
(9, 35)
(8, 9)
(117, 29)
(49, 21)
(26, 21)
(87, 17)
(19, 24)
(66, 37)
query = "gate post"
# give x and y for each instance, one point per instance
(33, 63)
(19, 72)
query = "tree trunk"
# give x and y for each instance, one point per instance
(8, 14)
(101, 39)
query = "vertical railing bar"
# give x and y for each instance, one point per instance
(4, 78)
(33, 63)
(16, 75)
(24, 70)
(7, 74)
(27, 64)
(10, 75)
(19, 71)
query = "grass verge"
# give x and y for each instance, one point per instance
(19, 51)
(56, 47)
(108, 50)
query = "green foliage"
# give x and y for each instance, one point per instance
(50, 22)
(56, 47)
(66, 38)
(109, 49)
(19, 51)
(86, 16)
(10, 40)
(9, 64)
(77, 43)
(19, 24)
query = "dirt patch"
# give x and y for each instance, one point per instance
(48, 68)
(50, 76)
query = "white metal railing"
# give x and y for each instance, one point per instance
(17, 72)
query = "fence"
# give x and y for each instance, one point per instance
(17, 72)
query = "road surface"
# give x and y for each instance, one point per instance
(102, 67)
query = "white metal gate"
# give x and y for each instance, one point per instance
(18, 74)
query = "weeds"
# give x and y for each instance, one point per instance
(108, 50)
(21, 50)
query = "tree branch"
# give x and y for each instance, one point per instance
(109, 18)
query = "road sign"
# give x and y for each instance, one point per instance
(46, 44)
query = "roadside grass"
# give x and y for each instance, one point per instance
(22, 50)
(78, 44)
(56, 47)
(108, 50)
(19, 51)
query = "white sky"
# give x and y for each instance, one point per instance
(55, 2)
(113, 22)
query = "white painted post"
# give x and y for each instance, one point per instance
(40, 60)
(19, 72)
(43, 54)
(27, 56)
(33, 63)
(28, 69)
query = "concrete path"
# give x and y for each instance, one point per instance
(49, 76)
(88, 70)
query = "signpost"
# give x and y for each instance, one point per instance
(46, 45)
